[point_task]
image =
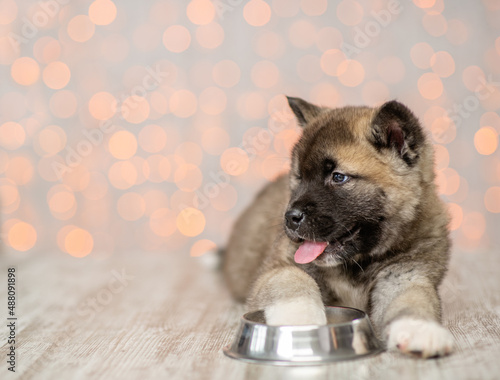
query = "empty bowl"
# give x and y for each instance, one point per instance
(348, 335)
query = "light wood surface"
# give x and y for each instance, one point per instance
(172, 319)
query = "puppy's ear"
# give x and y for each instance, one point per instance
(396, 127)
(304, 111)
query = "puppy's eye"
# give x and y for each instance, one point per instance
(339, 178)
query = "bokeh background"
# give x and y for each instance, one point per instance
(149, 125)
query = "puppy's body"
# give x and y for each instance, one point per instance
(376, 241)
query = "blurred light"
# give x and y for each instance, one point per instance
(442, 64)
(213, 100)
(225, 199)
(8, 11)
(309, 68)
(424, 3)
(302, 34)
(183, 103)
(490, 119)
(210, 36)
(189, 152)
(257, 13)
(181, 199)
(97, 186)
(473, 77)
(252, 105)
(78, 242)
(456, 215)
(448, 181)
(349, 12)
(176, 38)
(492, 199)
(351, 73)
(50, 141)
(443, 130)
(201, 247)
(215, 140)
(441, 157)
(163, 222)
(375, 93)
(122, 145)
(430, 86)
(164, 13)
(284, 141)
(265, 74)
(12, 135)
(122, 175)
(153, 200)
(391, 69)
(285, 8)
(8, 51)
(102, 105)
(326, 95)
(462, 193)
(329, 38)
(421, 54)
(25, 71)
(226, 73)
(188, 177)
(274, 165)
(269, 45)
(9, 196)
(115, 48)
(61, 201)
(135, 109)
(190, 222)
(131, 206)
(457, 32)
(486, 140)
(159, 105)
(435, 24)
(56, 75)
(146, 37)
(159, 168)
(81, 28)
(20, 170)
(102, 12)
(200, 12)
(46, 49)
(257, 141)
(152, 138)
(314, 7)
(331, 61)
(473, 225)
(21, 236)
(63, 104)
(234, 161)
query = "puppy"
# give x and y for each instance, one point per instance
(357, 222)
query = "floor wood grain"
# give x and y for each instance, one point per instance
(143, 316)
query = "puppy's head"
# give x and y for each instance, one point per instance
(356, 180)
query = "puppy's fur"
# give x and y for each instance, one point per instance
(362, 179)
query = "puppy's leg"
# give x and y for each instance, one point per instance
(406, 310)
(289, 296)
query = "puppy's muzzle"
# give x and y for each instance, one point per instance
(294, 218)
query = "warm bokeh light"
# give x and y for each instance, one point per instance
(226, 73)
(391, 69)
(430, 86)
(152, 138)
(176, 38)
(131, 206)
(102, 105)
(163, 222)
(20, 170)
(122, 145)
(257, 12)
(9, 196)
(102, 12)
(492, 199)
(135, 109)
(265, 74)
(421, 54)
(12, 135)
(201, 247)
(210, 36)
(56, 75)
(200, 12)
(63, 104)
(47, 49)
(78, 242)
(351, 73)
(159, 168)
(234, 161)
(435, 24)
(215, 140)
(473, 225)
(122, 175)
(302, 34)
(8, 11)
(81, 28)
(486, 140)
(21, 236)
(331, 61)
(183, 103)
(189, 152)
(25, 71)
(349, 12)
(212, 100)
(190, 222)
(442, 64)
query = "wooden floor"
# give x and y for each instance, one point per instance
(168, 316)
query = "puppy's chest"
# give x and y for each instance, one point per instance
(341, 292)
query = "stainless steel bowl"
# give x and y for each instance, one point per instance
(348, 335)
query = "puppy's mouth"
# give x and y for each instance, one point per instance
(309, 251)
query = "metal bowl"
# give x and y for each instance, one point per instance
(348, 335)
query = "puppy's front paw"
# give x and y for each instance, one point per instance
(419, 337)
(298, 311)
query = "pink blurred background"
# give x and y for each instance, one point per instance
(148, 126)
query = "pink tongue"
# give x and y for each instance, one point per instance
(308, 251)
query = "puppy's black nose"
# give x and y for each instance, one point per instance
(293, 218)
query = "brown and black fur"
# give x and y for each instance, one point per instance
(388, 217)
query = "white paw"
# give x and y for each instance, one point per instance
(297, 311)
(419, 337)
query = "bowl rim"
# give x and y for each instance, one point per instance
(363, 316)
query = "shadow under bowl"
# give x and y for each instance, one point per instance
(348, 335)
